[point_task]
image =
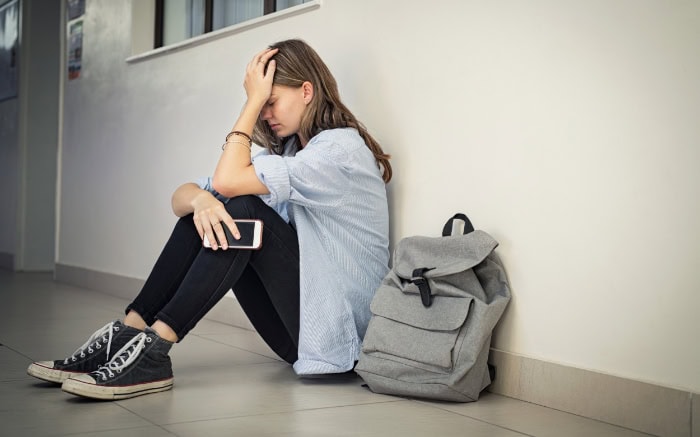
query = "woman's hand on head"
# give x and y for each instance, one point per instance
(209, 213)
(258, 82)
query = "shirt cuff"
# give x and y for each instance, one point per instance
(205, 184)
(273, 173)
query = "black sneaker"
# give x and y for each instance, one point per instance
(142, 366)
(102, 345)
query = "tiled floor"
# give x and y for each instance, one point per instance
(227, 382)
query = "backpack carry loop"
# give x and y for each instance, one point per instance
(447, 230)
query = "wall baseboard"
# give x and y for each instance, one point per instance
(115, 285)
(640, 406)
(7, 261)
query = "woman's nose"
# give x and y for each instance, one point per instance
(265, 114)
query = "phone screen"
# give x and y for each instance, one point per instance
(251, 235)
(246, 230)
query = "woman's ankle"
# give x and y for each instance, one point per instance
(135, 320)
(164, 331)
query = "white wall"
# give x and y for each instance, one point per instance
(566, 129)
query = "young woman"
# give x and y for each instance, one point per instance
(319, 188)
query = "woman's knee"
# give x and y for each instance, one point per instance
(244, 206)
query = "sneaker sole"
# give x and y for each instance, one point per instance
(42, 371)
(94, 391)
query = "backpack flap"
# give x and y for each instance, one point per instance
(445, 314)
(403, 327)
(441, 257)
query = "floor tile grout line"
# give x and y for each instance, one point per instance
(235, 347)
(229, 365)
(583, 417)
(16, 351)
(124, 407)
(549, 408)
(131, 428)
(470, 417)
(18, 379)
(330, 407)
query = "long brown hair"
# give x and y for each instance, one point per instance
(297, 63)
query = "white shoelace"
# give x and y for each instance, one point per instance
(103, 334)
(124, 357)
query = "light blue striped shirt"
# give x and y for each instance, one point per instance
(333, 193)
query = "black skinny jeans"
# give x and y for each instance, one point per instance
(188, 280)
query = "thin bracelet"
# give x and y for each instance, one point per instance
(223, 146)
(237, 132)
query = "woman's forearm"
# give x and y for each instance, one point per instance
(183, 197)
(234, 174)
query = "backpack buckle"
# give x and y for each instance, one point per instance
(419, 280)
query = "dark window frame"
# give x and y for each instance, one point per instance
(269, 6)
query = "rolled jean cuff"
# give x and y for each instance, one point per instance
(179, 330)
(145, 315)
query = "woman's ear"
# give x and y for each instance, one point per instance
(308, 91)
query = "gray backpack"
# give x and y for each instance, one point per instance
(432, 317)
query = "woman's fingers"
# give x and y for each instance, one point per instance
(210, 224)
(209, 229)
(219, 234)
(198, 226)
(270, 72)
(258, 81)
(231, 225)
(261, 59)
(264, 56)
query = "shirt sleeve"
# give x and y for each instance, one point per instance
(315, 177)
(205, 184)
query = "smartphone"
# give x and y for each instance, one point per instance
(251, 235)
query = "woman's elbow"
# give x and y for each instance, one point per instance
(238, 184)
(225, 187)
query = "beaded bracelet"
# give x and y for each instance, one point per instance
(223, 146)
(237, 132)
